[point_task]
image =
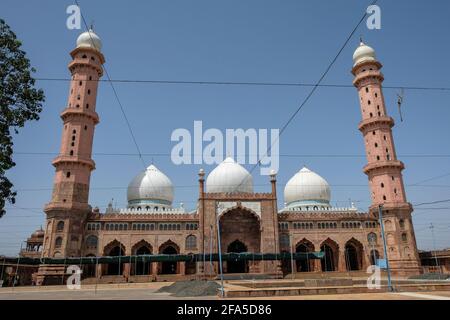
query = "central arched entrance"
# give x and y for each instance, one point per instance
(237, 266)
(240, 232)
(169, 267)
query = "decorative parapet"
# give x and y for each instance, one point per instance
(149, 215)
(297, 213)
(230, 196)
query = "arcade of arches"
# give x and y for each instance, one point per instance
(237, 238)
(351, 257)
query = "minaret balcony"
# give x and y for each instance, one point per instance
(375, 123)
(54, 209)
(73, 161)
(383, 166)
(75, 65)
(72, 112)
(391, 208)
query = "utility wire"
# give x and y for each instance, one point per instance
(240, 83)
(330, 65)
(115, 94)
(285, 155)
(433, 202)
(279, 184)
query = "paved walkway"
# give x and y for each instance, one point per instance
(148, 291)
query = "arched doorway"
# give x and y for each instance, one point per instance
(169, 267)
(243, 224)
(353, 255)
(115, 249)
(304, 264)
(190, 266)
(374, 256)
(329, 262)
(89, 270)
(141, 268)
(237, 266)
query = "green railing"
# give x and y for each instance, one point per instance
(199, 257)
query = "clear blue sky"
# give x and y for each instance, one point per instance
(261, 41)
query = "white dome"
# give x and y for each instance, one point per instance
(89, 39)
(307, 188)
(230, 177)
(363, 53)
(150, 187)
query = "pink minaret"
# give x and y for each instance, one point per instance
(383, 168)
(69, 207)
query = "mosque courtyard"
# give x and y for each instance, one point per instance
(149, 291)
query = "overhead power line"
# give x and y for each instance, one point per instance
(313, 90)
(115, 94)
(244, 83)
(433, 202)
(285, 155)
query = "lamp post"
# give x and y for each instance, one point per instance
(220, 253)
(292, 254)
(434, 247)
(380, 217)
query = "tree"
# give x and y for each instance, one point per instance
(20, 102)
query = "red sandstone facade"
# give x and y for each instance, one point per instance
(249, 222)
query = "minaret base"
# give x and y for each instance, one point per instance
(48, 275)
(405, 268)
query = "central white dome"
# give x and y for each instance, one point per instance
(150, 187)
(307, 188)
(229, 177)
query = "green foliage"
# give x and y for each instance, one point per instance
(20, 101)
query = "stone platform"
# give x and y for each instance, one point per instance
(268, 288)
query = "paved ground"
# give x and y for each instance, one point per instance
(148, 292)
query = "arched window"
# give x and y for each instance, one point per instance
(58, 242)
(60, 226)
(372, 238)
(91, 242)
(404, 237)
(191, 242)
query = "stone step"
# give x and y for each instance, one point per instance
(236, 292)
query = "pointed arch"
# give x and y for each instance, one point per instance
(114, 249)
(140, 268)
(140, 245)
(169, 267)
(304, 264)
(169, 243)
(239, 208)
(354, 253)
(112, 245)
(330, 260)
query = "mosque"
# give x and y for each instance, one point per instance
(350, 240)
